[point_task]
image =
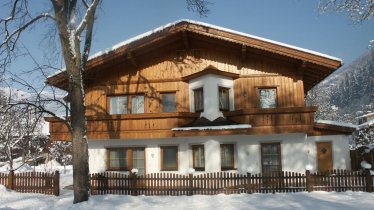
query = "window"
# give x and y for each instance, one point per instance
(118, 105)
(125, 159)
(223, 98)
(169, 158)
(271, 157)
(268, 97)
(227, 157)
(137, 105)
(198, 159)
(125, 104)
(138, 160)
(168, 102)
(199, 99)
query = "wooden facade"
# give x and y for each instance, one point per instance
(163, 62)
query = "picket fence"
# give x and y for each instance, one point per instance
(228, 183)
(32, 182)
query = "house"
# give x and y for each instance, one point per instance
(365, 121)
(194, 95)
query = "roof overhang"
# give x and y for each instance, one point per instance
(314, 66)
(321, 129)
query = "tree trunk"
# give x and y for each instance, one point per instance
(70, 44)
(79, 139)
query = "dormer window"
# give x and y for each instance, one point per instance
(199, 99)
(223, 98)
(268, 98)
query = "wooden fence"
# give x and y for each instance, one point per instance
(228, 183)
(32, 182)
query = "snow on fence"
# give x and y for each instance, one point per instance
(32, 182)
(228, 183)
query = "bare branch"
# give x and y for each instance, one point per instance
(85, 4)
(199, 6)
(16, 33)
(89, 16)
(87, 42)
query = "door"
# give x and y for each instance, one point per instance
(324, 156)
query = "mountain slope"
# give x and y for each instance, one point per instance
(348, 93)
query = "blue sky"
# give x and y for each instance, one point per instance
(295, 22)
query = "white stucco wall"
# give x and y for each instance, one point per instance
(297, 151)
(340, 154)
(210, 84)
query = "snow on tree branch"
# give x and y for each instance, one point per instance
(358, 10)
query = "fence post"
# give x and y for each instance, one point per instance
(369, 181)
(11, 180)
(308, 180)
(56, 183)
(249, 186)
(190, 184)
(134, 183)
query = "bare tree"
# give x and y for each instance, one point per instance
(73, 20)
(20, 130)
(358, 10)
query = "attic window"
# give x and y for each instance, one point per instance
(118, 105)
(126, 104)
(137, 104)
(268, 98)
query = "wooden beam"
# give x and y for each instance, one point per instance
(132, 59)
(302, 68)
(185, 39)
(244, 55)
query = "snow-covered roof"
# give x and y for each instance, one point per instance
(366, 124)
(221, 127)
(148, 33)
(340, 124)
(366, 115)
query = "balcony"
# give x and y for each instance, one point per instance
(159, 125)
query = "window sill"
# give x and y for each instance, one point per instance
(169, 169)
(228, 169)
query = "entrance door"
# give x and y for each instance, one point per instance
(324, 156)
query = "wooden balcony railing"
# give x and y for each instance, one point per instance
(148, 125)
(159, 125)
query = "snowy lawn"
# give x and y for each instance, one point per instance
(315, 200)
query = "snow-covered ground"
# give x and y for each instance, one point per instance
(305, 201)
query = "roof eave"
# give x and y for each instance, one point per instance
(332, 63)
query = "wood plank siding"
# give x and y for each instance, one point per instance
(161, 62)
(165, 76)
